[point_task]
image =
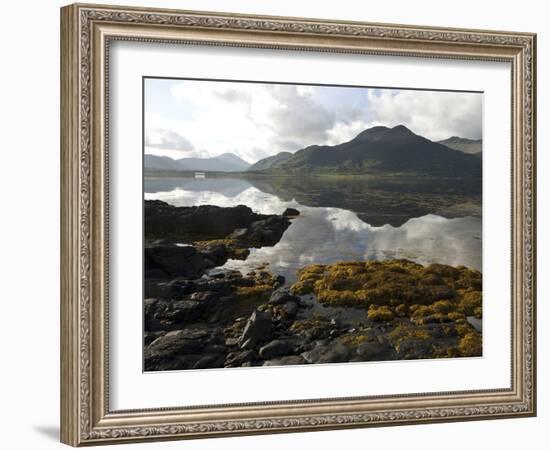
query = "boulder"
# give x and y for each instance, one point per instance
(161, 314)
(181, 349)
(415, 349)
(290, 309)
(258, 329)
(281, 296)
(291, 212)
(237, 359)
(173, 261)
(187, 224)
(333, 352)
(375, 351)
(276, 348)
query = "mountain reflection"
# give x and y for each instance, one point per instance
(345, 221)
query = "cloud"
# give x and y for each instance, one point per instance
(249, 118)
(435, 115)
(255, 120)
(167, 140)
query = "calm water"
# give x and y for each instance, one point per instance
(345, 221)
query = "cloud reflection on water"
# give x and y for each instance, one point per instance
(325, 235)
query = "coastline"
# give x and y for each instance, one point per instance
(198, 316)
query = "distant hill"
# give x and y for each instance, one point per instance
(153, 162)
(227, 162)
(270, 161)
(471, 146)
(381, 150)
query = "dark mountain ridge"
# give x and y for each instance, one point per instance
(381, 150)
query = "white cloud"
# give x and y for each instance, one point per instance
(343, 132)
(254, 120)
(435, 115)
(167, 140)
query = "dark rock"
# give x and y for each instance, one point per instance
(237, 359)
(258, 329)
(161, 314)
(174, 261)
(282, 296)
(276, 348)
(291, 212)
(173, 289)
(415, 349)
(187, 224)
(331, 353)
(290, 309)
(180, 349)
(292, 360)
(266, 232)
(375, 351)
(215, 252)
(150, 336)
(210, 361)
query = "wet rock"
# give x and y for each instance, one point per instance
(239, 233)
(375, 351)
(414, 349)
(210, 361)
(237, 359)
(331, 353)
(186, 224)
(291, 212)
(258, 329)
(231, 342)
(181, 349)
(267, 232)
(173, 289)
(173, 261)
(276, 348)
(291, 360)
(215, 252)
(290, 309)
(282, 296)
(150, 336)
(161, 314)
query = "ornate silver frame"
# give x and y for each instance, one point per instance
(86, 31)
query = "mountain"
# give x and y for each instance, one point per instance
(270, 161)
(227, 162)
(154, 162)
(382, 150)
(464, 145)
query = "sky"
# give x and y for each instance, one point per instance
(194, 118)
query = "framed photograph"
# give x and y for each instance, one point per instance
(278, 224)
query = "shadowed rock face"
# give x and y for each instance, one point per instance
(185, 224)
(211, 235)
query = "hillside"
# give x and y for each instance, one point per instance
(380, 150)
(464, 145)
(227, 162)
(270, 161)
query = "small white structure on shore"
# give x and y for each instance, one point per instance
(200, 175)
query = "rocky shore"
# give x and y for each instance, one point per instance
(199, 316)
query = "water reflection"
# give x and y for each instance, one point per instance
(323, 234)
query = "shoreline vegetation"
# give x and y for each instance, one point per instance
(198, 315)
